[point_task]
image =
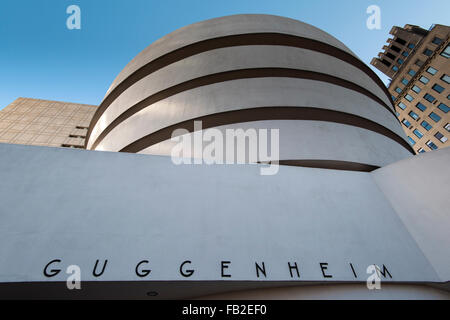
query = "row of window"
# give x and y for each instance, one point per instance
(430, 98)
(405, 53)
(437, 41)
(430, 144)
(442, 106)
(428, 52)
(438, 135)
(433, 116)
(445, 53)
(423, 79)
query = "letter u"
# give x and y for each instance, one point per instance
(94, 272)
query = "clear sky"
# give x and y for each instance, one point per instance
(41, 58)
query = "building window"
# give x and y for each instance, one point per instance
(402, 106)
(427, 52)
(386, 63)
(421, 150)
(421, 107)
(434, 117)
(409, 98)
(77, 136)
(406, 123)
(398, 90)
(413, 115)
(411, 72)
(418, 134)
(440, 137)
(446, 52)
(411, 141)
(438, 88)
(401, 41)
(419, 63)
(424, 79)
(429, 97)
(431, 145)
(444, 108)
(437, 40)
(400, 61)
(395, 48)
(393, 98)
(447, 127)
(405, 81)
(426, 125)
(405, 54)
(432, 71)
(390, 55)
(397, 114)
(72, 146)
(416, 89)
(411, 46)
(395, 68)
(445, 78)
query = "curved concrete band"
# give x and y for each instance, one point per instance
(264, 113)
(367, 147)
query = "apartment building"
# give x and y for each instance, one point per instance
(417, 61)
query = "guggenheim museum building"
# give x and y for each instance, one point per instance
(349, 212)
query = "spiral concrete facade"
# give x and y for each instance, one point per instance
(253, 71)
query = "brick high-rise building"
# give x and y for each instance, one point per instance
(417, 61)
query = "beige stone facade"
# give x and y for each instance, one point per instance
(45, 123)
(418, 62)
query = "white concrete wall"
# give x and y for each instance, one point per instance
(80, 206)
(419, 192)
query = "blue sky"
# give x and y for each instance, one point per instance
(41, 58)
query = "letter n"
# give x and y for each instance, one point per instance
(259, 269)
